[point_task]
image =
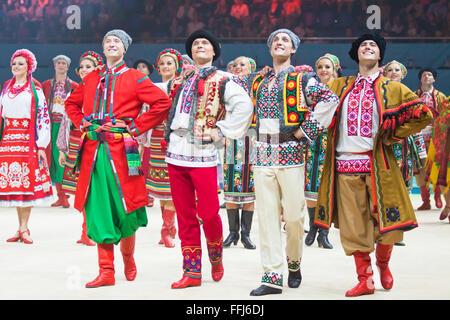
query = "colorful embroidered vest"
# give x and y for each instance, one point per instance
(210, 107)
(292, 105)
(207, 104)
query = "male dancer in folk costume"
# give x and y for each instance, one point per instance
(362, 190)
(433, 99)
(56, 91)
(68, 141)
(111, 185)
(290, 108)
(206, 106)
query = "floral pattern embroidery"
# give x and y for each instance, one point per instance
(272, 278)
(192, 262)
(360, 107)
(267, 102)
(353, 166)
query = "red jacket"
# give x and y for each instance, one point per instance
(127, 90)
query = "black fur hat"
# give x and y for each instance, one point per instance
(430, 69)
(202, 33)
(381, 43)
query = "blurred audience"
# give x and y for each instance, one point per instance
(172, 20)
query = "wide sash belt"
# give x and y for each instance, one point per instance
(104, 131)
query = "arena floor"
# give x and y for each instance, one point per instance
(56, 268)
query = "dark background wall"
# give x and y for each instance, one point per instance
(413, 56)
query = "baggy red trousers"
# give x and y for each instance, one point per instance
(194, 193)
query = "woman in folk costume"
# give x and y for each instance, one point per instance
(57, 90)
(68, 140)
(146, 68)
(169, 65)
(409, 152)
(412, 151)
(111, 185)
(239, 187)
(327, 68)
(438, 162)
(362, 190)
(396, 71)
(25, 133)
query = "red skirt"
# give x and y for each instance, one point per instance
(19, 185)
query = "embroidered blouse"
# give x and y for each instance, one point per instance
(19, 107)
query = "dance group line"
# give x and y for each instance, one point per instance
(347, 147)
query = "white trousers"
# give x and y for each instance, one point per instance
(279, 191)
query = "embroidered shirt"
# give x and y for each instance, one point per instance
(427, 97)
(59, 97)
(358, 126)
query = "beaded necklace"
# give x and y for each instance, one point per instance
(16, 89)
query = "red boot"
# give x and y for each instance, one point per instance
(217, 271)
(437, 198)
(65, 200)
(425, 194)
(365, 275)
(106, 264)
(445, 213)
(127, 246)
(186, 282)
(59, 193)
(192, 268)
(383, 255)
(168, 222)
(84, 238)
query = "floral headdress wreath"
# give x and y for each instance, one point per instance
(29, 56)
(175, 55)
(402, 68)
(92, 56)
(252, 64)
(334, 61)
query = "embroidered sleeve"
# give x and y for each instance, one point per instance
(408, 117)
(310, 127)
(239, 111)
(42, 122)
(322, 104)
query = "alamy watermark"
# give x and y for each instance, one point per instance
(73, 20)
(374, 20)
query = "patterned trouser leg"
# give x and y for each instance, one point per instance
(192, 262)
(215, 250)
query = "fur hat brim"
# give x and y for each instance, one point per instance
(203, 34)
(381, 43)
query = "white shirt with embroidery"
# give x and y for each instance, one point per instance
(348, 145)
